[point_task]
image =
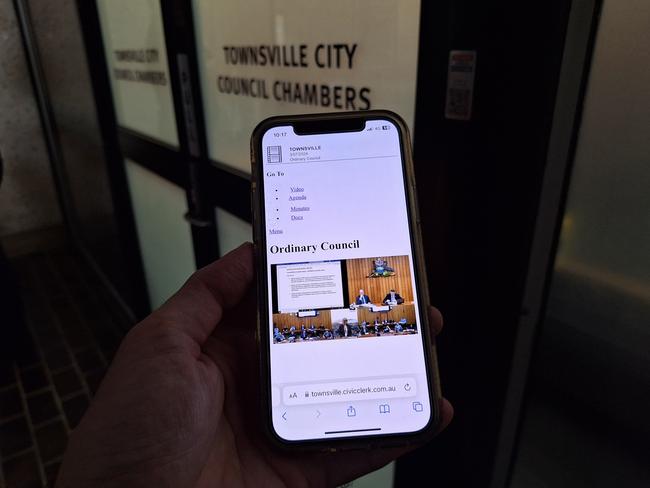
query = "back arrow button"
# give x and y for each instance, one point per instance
(284, 415)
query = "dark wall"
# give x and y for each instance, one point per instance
(27, 196)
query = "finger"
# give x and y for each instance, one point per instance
(435, 321)
(198, 306)
(229, 278)
(446, 414)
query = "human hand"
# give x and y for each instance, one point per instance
(179, 405)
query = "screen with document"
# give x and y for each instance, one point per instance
(347, 353)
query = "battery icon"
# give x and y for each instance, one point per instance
(385, 127)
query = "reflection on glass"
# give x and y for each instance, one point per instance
(134, 41)
(164, 235)
(301, 56)
(232, 231)
(586, 422)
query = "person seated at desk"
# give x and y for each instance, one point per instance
(407, 327)
(376, 324)
(355, 330)
(292, 334)
(344, 329)
(277, 335)
(393, 297)
(364, 328)
(362, 298)
(327, 334)
(386, 328)
(398, 328)
(303, 332)
(312, 330)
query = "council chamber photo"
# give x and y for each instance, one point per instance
(343, 300)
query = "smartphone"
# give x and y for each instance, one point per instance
(347, 358)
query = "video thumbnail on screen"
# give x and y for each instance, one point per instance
(343, 299)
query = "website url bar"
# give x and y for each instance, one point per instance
(345, 391)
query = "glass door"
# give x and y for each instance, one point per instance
(585, 420)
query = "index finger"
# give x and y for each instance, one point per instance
(435, 321)
(198, 306)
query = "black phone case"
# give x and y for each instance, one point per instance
(259, 238)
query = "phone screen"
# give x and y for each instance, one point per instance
(346, 346)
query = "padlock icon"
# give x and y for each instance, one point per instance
(351, 411)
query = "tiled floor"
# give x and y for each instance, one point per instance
(45, 392)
